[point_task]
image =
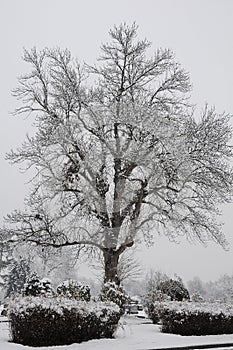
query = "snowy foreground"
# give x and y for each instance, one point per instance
(132, 334)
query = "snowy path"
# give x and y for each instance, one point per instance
(132, 334)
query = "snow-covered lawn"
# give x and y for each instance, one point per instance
(132, 334)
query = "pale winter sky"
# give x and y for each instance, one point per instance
(200, 32)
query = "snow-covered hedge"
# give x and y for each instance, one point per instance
(74, 290)
(189, 318)
(46, 321)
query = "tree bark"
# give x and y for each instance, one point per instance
(111, 258)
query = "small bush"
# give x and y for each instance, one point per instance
(40, 321)
(149, 303)
(160, 288)
(74, 290)
(189, 318)
(112, 292)
(36, 286)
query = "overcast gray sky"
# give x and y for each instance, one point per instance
(198, 31)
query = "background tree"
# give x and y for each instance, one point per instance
(174, 288)
(128, 270)
(18, 275)
(150, 289)
(197, 287)
(121, 156)
(5, 262)
(154, 279)
(159, 287)
(46, 262)
(57, 265)
(221, 289)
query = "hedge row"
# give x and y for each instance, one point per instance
(40, 321)
(187, 318)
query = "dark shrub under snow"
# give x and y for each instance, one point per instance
(114, 293)
(74, 290)
(188, 318)
(40, 321)
(36, 286)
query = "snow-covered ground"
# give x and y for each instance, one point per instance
(133, 334)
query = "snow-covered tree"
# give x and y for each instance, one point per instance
(174, 288)
(221, 289)
(225, 288)
(154, 279)
(18, 275)
(57, 265)
(197, 287)
(151, 292)
(5, 262)
(119, 154)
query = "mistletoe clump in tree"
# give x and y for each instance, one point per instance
(121, 156)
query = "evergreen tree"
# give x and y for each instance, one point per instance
(19, 272)
(5, 261)
(175, 289)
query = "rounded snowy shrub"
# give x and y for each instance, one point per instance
(40, 321)
(175, 289)
(36, 286)
(112, 292)
(74, 290)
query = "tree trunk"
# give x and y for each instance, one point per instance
(111, 258)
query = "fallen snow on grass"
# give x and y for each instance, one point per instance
(132, 334)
